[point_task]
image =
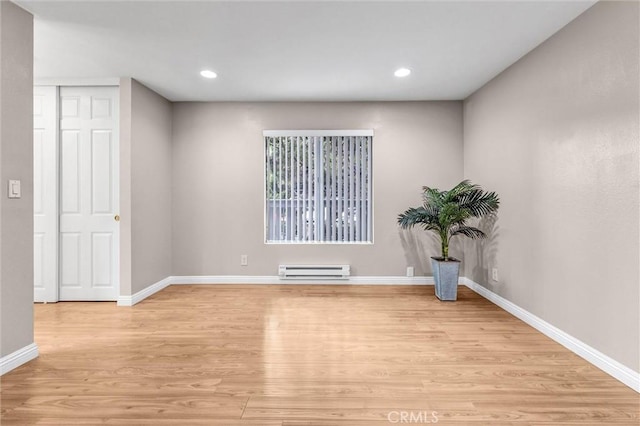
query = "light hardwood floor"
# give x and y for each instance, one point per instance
(303, 355)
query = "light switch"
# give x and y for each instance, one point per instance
(14, 189)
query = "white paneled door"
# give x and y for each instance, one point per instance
(45, 194)
(89, 201)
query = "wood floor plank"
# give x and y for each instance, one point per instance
(303, 356)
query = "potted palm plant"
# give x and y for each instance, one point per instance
(446, 214)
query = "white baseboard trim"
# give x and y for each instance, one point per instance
(223, 279)
(143, 294)
(610, 366)
(17, 358)
(267, 279)
(246, 279)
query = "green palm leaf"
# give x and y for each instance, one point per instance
(446, 212)
(468, 231)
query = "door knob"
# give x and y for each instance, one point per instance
(117, 218)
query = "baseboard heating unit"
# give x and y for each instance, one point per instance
(314, 272)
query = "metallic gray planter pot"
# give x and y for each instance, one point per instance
(445, 274)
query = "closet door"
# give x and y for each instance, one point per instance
(89, 193)
(45, 194)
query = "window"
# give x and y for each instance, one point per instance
(318, 186)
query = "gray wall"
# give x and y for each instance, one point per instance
(147, 179)
(16, 162)
(218, 196)
(556, 135)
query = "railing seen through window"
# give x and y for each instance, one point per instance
(318, 186)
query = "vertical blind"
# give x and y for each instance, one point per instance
(318, 186)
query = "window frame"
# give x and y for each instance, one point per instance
(318, 133)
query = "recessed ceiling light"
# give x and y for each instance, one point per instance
(208, 74)
(402, 72)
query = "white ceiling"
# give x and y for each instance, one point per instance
(293, 50)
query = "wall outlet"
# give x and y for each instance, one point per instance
(494, 274)
(244, 260)
(409, 271)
